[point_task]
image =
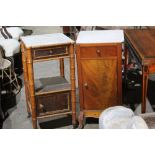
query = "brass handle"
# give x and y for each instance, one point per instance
(98, 51)
(85, 84)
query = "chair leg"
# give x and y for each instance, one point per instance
(10, 75)
(2, 75)
(18, 87)
(12, 79)
(15, 80)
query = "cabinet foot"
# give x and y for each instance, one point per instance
(80, 119)
(80, 126)
(34, 123)
(75, 126)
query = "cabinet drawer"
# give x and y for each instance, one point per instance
(53, 103)
(98, 51)
(50, 52)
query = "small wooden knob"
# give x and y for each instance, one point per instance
(98, 51)
(51, 52)
(85, 84)
(41, 106)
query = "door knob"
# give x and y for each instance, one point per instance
(85, 84)
(98, 51)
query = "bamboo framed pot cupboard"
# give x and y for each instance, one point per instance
(55, 95)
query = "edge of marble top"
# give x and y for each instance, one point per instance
(24, 38)
(99, 41)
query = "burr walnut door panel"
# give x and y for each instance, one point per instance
(99, 82)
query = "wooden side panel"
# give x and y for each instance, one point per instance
(99, 83)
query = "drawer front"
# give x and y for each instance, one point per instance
(50, 52)
(53, 103)
(98, 51)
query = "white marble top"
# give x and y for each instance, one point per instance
(45, 40)
(100, 36)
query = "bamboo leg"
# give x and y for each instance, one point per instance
(62, 67)
(144, 88)
(81, 115)
(25, 78)
(31, 87)
(73, 89)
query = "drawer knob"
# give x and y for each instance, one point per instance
(51, 52)
(85, 85)
(42, 107)
(98, 51)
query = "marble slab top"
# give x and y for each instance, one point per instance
(100, 36)
(46, 40)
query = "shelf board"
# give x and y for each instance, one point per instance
(51, 84)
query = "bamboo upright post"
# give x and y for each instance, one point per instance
(44, 98)
(31, 87)
(25, 76)
(73, 88)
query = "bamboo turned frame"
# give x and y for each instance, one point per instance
(25, 77)
(29, 81)
(73, 88)
(31, 87)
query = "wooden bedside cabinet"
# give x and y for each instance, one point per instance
(99, 57)
(52, 96)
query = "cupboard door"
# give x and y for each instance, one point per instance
(99, 83)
